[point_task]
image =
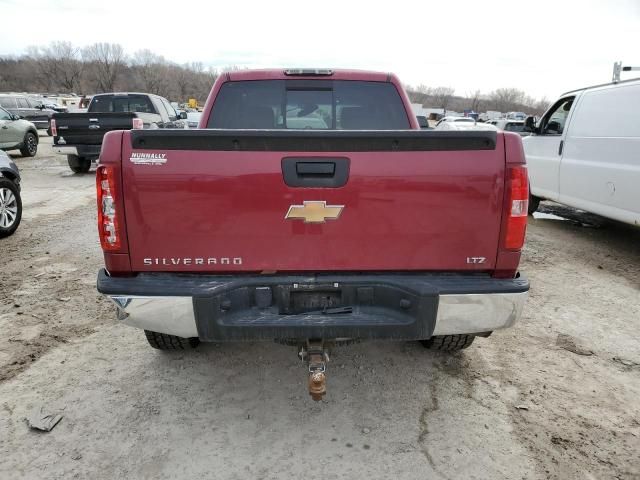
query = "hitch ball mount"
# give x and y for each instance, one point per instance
(315, 354)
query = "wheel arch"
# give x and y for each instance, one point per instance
(9, 174)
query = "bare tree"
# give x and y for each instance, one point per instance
(152, 70)
(542, 105)
(423, 89)
(101, 67)
(19, 74)
(442, 95)
(107, 61)
(68, 68)
(505, 99)
(44, 67)
(474, 99)
(182, 78)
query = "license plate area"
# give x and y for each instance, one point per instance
(311, 298)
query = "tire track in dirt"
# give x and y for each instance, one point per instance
(47, 287)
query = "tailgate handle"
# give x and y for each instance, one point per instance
(315, 168)
(320, 172)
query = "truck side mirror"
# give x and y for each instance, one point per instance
(422, 121)
(530, 124)
(183, 115)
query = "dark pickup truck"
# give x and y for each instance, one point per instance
(310, 209)
(79, 135)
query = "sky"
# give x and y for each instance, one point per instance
(542, 47)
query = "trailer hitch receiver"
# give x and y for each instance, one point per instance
(316, 357)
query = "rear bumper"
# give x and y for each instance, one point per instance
(383, 306)
(90, 151)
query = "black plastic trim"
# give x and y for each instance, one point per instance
(315, 172)
(313, 141)
(183, 284)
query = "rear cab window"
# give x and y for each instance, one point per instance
(33, 103)
(308, 105)
(121, 103)
(170, 110)
(8, 102)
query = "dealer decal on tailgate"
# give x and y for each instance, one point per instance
(140, 158)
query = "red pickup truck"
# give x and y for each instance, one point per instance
(310, 209)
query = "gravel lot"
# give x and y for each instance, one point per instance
(555, 397)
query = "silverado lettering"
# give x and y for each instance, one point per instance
(193, 261)
(347, 221)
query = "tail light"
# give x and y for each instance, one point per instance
(107, 215)
(517, 207)
(53, 127)
(138, 124)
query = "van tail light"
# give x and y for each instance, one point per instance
(517, 207)
(53, 127)
(138, 124)
(107, 215)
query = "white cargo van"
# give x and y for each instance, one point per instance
(585, 151)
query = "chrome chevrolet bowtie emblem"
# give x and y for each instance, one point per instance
(314, 212)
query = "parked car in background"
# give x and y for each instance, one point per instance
(10, 201)
(510, 126)
(79, 135)
(27, 108)
(51, 105)
(466, 126)
(17, 134)
(584, 151)
(516, 116)
(193, 119)
(455, 119)
(423, 122)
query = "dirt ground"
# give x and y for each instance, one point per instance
(557, 396)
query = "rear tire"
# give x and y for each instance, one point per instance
(79, 164)
(162, 341)
(10, 207)
(534, 203)
(448, 343)
(29, 145)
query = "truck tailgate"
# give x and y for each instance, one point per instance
(216, 200)
(89, 128)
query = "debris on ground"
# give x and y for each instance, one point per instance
(522, 407)
(40, 420)
(567, 342)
